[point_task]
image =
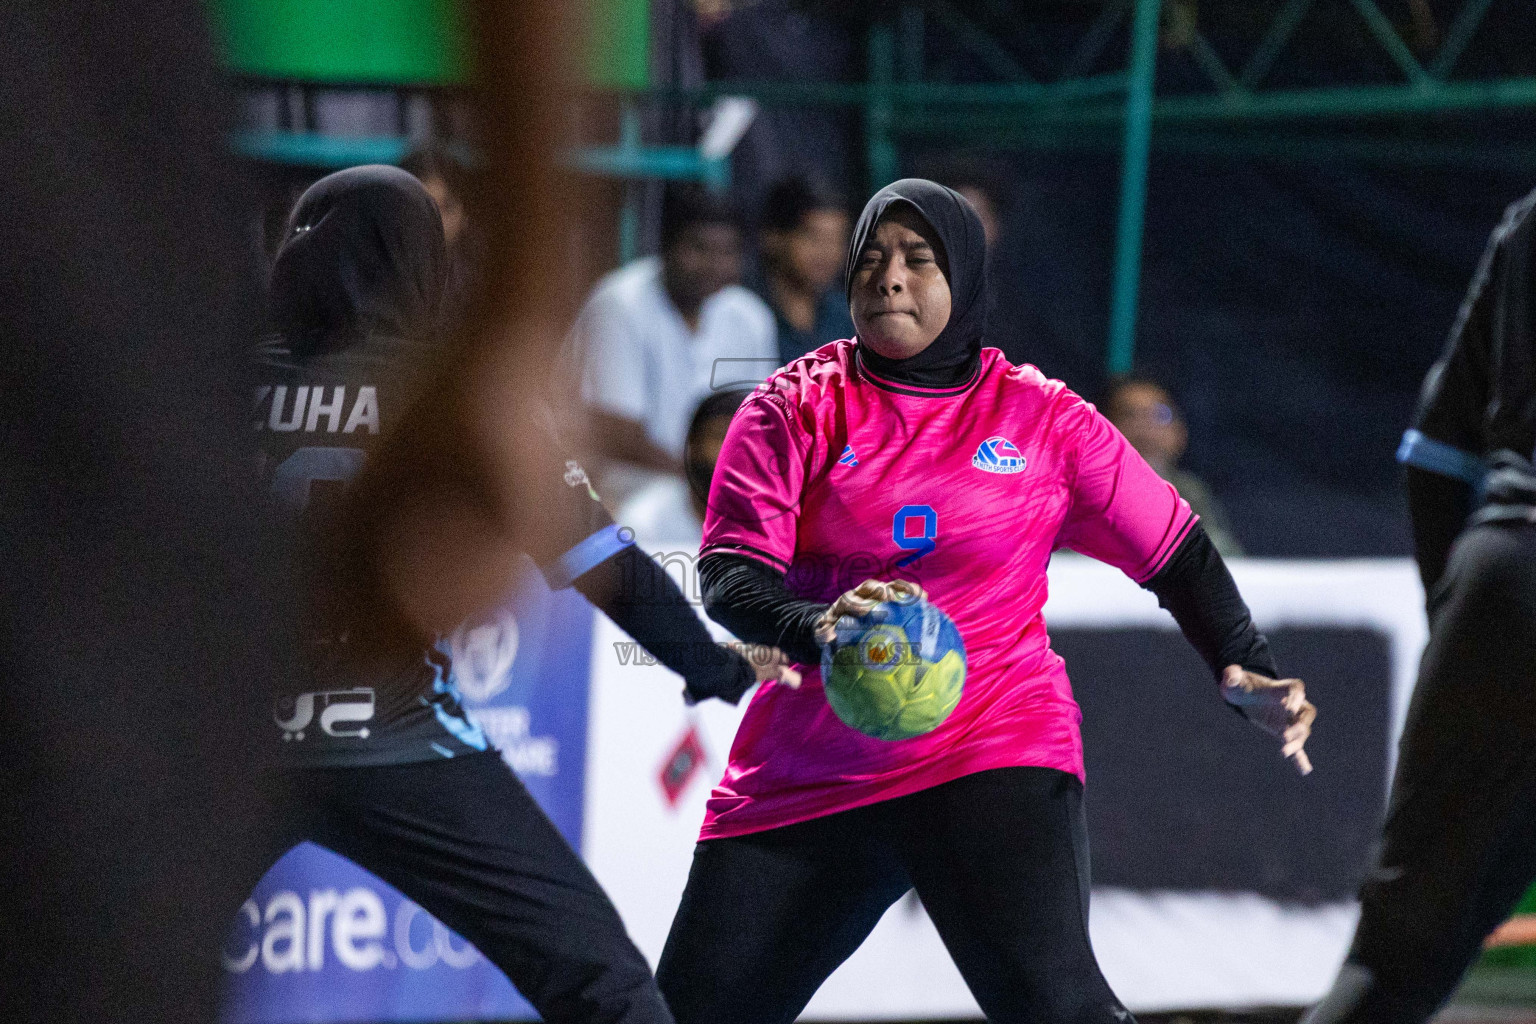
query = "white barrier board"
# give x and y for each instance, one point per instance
(1160, 950)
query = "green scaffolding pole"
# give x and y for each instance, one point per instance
(1095, 112)
(629, 215)
(880, 113)
(1133, 188)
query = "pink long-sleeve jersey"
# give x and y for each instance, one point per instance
(834, 475)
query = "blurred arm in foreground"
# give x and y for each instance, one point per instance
(457, 493)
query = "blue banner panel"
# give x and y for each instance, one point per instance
(524, 676)
(323, 941)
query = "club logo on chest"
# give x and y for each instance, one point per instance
(998, 455)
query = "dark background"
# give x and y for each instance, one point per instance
(1292, 311)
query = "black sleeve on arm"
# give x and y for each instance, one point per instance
(588, 552)
(753, 602)
(1197, 588)
(641, 599)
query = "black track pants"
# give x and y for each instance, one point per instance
(1459, 847)
(999, 858)
(464, 840)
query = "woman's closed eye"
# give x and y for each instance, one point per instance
(919, 254)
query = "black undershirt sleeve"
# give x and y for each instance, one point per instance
(641, 599)
(753, 602)
(1197, 588)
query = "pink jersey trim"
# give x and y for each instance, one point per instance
(746, 551)
(1169, 547)
(886, 384)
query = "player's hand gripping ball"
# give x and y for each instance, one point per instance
(892, 664)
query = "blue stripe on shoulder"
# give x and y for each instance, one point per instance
(587, 555)
(1438, 457)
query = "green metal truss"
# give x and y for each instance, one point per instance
(1233, 114)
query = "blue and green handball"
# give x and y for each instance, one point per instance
(895, 672)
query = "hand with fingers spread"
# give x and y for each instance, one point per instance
(861, 599)
(1278, 706)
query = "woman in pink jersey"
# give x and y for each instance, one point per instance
(913, 453)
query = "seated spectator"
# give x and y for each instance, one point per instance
(984, 185)
(446, 178)
(1148, 417)
(803, 236)
(658, 336)
(1030, 322)
(669, 510)
(987, 208)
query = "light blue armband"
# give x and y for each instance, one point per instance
(588, 555)
(1437, 457)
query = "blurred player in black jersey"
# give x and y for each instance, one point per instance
(390, 770)
(1459, 847)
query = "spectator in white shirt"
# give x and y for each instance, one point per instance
(659, 335)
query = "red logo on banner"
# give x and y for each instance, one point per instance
(685, 760)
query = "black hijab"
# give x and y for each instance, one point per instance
(956, 353)
(362, 254)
